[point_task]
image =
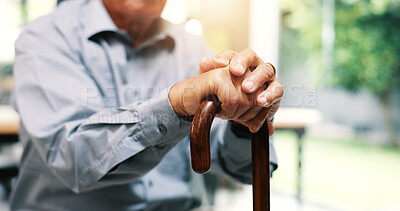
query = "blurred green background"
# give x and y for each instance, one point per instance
(350, 51)
(349, 172)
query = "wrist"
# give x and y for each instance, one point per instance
(185, 96)
(174, 98)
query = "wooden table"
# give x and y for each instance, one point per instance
(9, 124)
(296, 119)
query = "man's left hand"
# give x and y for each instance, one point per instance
(262, 75)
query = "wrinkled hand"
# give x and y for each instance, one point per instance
(186, 96)
(263, 75)
(246, 107)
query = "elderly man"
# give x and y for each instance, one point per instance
(106, 89)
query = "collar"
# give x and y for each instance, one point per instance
(97, 20)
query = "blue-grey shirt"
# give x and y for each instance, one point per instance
(97, 127)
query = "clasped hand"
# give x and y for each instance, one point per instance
(246, 86)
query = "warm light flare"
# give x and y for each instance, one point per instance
(175, 11)
(194, 26)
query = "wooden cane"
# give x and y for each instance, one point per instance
(201, 157)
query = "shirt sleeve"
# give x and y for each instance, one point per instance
(81, 144)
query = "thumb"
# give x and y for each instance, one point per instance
(206, 64)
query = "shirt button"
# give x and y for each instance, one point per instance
(162, 129)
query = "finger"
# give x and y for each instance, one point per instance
(229, 105)
(274, 109)
(247, 106)
(271, 128)
(224, 58)
(250, 114)
(273, 93)
(206, 64)
(243, 60)
(250, 107)
(263, 73)
(227, 93)
(255, 124)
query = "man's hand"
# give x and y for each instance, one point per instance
(236, 105)
(263, 75)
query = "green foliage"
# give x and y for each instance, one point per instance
(346, 171)
(6, 69)
(24, 11)
(367, 45)
(367, 42)
(301, 36)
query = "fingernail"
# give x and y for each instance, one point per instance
(262, 100)
(239, 67)
(248, 84)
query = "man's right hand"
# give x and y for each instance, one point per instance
(186, 96)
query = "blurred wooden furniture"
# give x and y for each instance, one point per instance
(7, 83)
(296, 119)
(9, 122)
(9, 125)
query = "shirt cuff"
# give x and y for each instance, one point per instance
(239, 130)
(159, 122)
(239, 146)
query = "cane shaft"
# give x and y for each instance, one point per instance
(260, 167)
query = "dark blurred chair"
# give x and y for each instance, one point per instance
(9, 122)
(8, 170)
(8, 164)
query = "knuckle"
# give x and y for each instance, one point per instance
(248, 102)
(226, 53)
(267, 71)
(230, 51)
(245, 118)
(280, 91)
(251, 124)
(219, 76)
(218, 56)
(234, 99)
(250, 52)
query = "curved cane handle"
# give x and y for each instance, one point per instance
(200, 134)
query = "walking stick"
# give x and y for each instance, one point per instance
(201, 158)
